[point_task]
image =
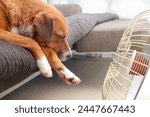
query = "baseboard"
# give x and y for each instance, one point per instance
(92, 55)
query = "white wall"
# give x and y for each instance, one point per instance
(44, 0)
(125, 8)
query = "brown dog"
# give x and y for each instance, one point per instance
(40, 28)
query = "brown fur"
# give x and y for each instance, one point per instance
(49, 28)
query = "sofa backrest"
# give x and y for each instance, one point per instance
(68, 9)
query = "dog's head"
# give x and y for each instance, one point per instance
(51, 30)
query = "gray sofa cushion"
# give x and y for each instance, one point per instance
(103, 37)
(16, 63)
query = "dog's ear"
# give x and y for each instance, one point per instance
(43, 24)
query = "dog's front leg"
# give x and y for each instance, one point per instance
(64, 73)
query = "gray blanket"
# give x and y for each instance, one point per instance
(80, 24)
(16, 63)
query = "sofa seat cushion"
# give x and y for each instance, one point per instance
(103, 37)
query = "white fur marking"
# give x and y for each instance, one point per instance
(65, 54)
(44, 67)
(23, 30)
(14, 30)
(71, 78)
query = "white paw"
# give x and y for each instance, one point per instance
(44, 67)
(69, 77)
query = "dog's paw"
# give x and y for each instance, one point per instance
(74, 80)
(44, 67)
(69, 77)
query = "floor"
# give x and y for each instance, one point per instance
(91, 72)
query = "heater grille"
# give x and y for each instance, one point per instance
(131, 61)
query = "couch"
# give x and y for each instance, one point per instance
(18, 66)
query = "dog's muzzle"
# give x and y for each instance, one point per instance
(66, 55)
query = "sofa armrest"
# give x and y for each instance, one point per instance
(68, 9)
(16, 64)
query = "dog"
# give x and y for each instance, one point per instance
(40, 28)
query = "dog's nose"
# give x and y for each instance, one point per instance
(69, 56)
(65, 56)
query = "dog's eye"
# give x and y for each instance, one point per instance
(61, 36)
